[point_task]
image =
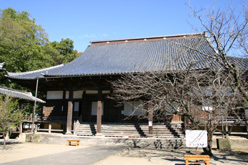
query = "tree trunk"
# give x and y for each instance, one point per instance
(208, 150)
(4, 142)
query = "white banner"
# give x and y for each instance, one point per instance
(196, 138)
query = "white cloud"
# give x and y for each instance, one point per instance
(105, 35)
(93, 36)
(89, 36)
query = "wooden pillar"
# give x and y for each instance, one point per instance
(35, 128)
(50, 128)
(150, 117)
(82, 105)
(69, 113)
(74, 128)
(99, 112)
(20, 128)
(186, 123)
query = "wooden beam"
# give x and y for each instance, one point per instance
(69, 113)
(150, 117)
(99, 112)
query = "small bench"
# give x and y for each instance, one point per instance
(73, 142)
(204, 159)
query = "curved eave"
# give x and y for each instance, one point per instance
(114, 73)
(31, 75)
(22, 78)
(89, 74)
(30, 99)
(19, 94)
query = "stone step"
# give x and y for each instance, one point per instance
(131, 130)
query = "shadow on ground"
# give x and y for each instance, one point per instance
(231, 156)
(177, 156)
(9, 144)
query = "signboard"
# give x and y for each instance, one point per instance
(196, 138)
(207, 108)
(150, 123)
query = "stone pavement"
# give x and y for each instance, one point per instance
(83, 156)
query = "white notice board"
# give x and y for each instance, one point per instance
(196, 138)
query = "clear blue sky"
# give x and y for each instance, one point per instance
(89, 20)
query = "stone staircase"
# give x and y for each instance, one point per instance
(131, 130)
(166, 131)
(86, 129)
(122, 130)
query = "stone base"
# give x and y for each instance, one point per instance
(224, 144)
(153, 143)
(22, 137)
(68, 133)
(99, 134)
(33, 138)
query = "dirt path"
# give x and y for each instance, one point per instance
(18, 151)
(21, 151)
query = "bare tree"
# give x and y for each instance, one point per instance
(204, 96)
(228, 33)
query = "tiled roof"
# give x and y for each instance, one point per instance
(115, 57)
(134, 55)
(19, 94)
(239, 62)
(32, 74)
